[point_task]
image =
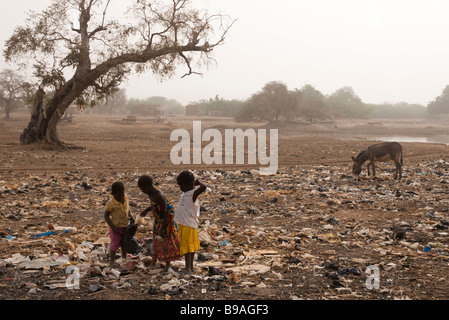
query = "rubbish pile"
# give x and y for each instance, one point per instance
(303, 233)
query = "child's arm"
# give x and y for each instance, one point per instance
(129, 210)
(107, 217)
(162, 203)
(163, 227)
(199, 190)
(130, 216)
(144, 212)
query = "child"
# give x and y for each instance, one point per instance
(165, 235)
(116, 215)
(187, 214)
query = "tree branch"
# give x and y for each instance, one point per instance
(187, 61)
(102, 27)
(96, 30)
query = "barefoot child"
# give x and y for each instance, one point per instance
(165, 236)
(116, 215)
(187, 214)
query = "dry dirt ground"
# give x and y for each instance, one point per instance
(309, 232)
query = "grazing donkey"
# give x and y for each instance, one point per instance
(382, 152)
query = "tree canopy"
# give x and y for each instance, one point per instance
(83, 50)
(273, 103)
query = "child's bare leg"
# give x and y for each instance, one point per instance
(153, 262)
(112, 257)
(123, 253)
(192, 256)
(189, 262)
(167, 266)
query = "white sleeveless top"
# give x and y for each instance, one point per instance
(187, 213)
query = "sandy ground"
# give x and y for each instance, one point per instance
(280, 237)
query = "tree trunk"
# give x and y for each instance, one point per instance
(44, 120)
(7, 112)
(30, 134)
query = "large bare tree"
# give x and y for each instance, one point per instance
(82, 53)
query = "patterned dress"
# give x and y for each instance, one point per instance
(165, 247)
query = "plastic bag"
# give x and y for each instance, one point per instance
(130, 243)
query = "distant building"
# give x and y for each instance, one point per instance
(216, 113)
(147, 110)
(193, 110)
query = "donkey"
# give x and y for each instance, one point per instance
(382, 152)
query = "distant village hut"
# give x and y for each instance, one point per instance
(148, 110)
(216, 113)
(193, 110)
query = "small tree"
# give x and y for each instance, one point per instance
(345, 103)
(441, 103)
(12, 90)
(273, 103)
(78, 49)
(310, 102)
(116, 102)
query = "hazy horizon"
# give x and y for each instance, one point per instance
(386, 51)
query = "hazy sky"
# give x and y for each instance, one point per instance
(387, 51)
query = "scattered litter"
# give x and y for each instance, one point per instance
(256, 230)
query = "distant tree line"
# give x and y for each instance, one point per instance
(219, 106)
(274, 102)
(118, 103)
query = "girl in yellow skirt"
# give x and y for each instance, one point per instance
(187, 215)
